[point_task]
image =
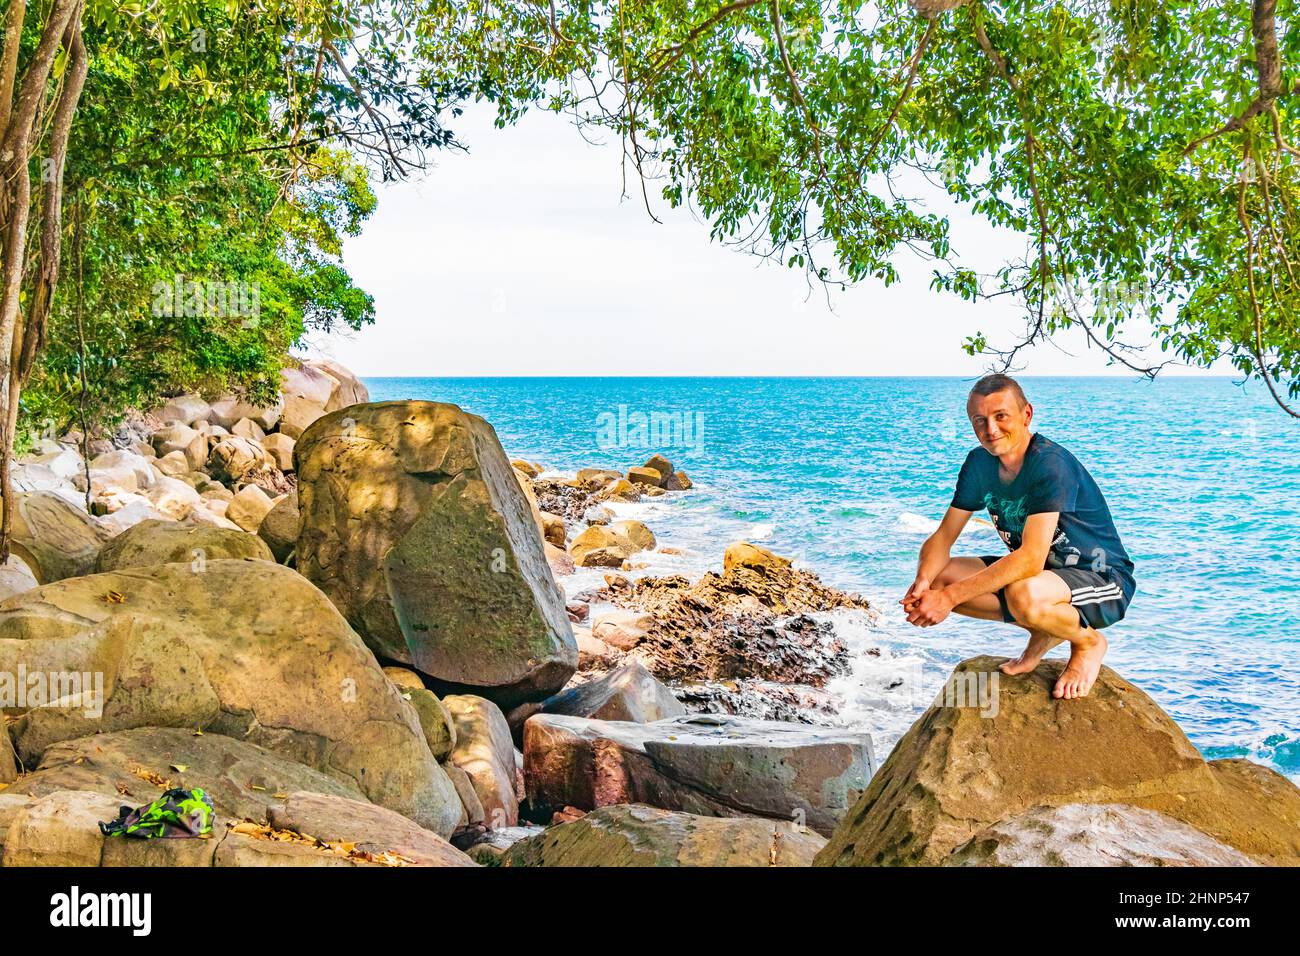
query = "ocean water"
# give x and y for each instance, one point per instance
(848, 476)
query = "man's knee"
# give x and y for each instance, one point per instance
(1024, 602)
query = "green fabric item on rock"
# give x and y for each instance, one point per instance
(177, 813)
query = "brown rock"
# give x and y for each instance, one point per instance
(279, 529)
(644, 836)
(622, 629)
(596, 478)
(414, 524)
(247, 428)
(645, 476)
(716, 766)
(471, 806)
(163, 542)
(960, 769)
(246, 648)
(619, 490)
(280, 447)
(173, 464)
(662, 465)
(1092, 834)
(54, 538)
(746, 555)
(61, 829)
(558, 560)
(404, 678)
(553, 529)
(629, 692)
(678, 481)
(600, 546)
(135, 766)
(299, 414)
(227, 411)
(370, 828)
(348, 389)
(435, 720)
(249, 507)
(485, 751)
(233, 458)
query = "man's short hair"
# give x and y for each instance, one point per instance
(997, 382)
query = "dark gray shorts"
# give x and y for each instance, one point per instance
(1100, 600)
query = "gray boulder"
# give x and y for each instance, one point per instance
(415, 526)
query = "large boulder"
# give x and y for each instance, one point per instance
(54, 537)
(662, 465)
(1091, 834)
(186, 409)
(705, 764)
(127, 469)
(742, 554)
(415, 526)
(299, 413)
(228, 411)
(992, 747)
(244, 780)
(249, 649)
(61, 829)
(370, 828)
(52, 817)
(308, 381)
(164, 542)
(485, 750)
(347, 389)
(645, 836)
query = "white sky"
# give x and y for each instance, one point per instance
(522, 258)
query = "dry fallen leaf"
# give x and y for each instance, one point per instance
(157, 779)
(114, 597)
(180, 767)
(346, 850)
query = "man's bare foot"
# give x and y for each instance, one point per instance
(1039, 644)
(1081, 671)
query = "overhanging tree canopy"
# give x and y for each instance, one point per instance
(1144, 147)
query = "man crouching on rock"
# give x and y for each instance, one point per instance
(1067, 575)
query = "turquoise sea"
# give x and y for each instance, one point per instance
(848, 476)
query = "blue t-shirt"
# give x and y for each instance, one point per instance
(1051, 479)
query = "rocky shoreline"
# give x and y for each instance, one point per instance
(342, 619)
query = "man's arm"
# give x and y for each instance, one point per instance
(936, 552)
(1026, 561)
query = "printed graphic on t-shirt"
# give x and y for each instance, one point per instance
(1009, 516)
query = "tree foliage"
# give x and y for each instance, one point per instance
(188, 154)
(1143, 147)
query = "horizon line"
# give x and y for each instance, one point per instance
(1134, 377)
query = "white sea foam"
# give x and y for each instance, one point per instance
(917, 524)
(761, 531)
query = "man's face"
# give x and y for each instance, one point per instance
(1001, 423)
